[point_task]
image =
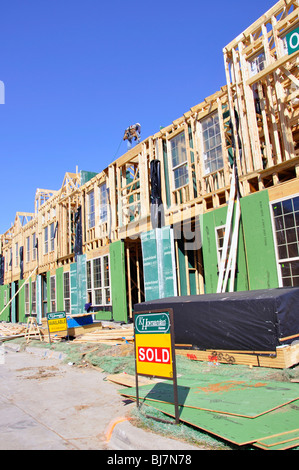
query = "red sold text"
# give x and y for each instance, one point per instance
(155, 355)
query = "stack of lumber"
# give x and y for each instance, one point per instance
(108, 335)
(284, 356)
(11, 330)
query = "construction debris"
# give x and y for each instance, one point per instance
(107, 335)
(11, 330)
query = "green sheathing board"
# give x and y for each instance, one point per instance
(86, 176)
(208, 224)
(150, 265)
(118, 282)
(262, 270)
(5, 315)
(59, 289)
(159, 264)
(166, 262)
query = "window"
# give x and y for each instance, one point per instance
(34, 246)
(10, 258)
(46, 240)
(286, 228)
(53, 293)
(179, 160)
(211, 142)
(27, 300)
(91, 210)
(220, 233)
(103, 200)
(28, 249)
(17, 254)
(67, 292)
(33, 297)
(257, 64)
(52, 230)
(98, 281)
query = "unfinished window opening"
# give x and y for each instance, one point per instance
(267, 181)
(53, 293)
(253, 185)
(66, 292)
(285, 217)
(211, 143)
(286, 175)
(221, 198)
(98, 281)
(179, 160)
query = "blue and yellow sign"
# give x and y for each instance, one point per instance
(57, 322)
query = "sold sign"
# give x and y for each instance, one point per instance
(154, 355)
(153, 344)
(154, 349)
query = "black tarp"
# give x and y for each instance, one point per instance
(250, 320)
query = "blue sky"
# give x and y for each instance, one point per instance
(77, 73)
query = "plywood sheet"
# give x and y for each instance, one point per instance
(236, 429)
(246, 398)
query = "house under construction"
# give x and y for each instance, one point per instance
(155, 223)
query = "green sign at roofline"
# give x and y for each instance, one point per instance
(293, 41)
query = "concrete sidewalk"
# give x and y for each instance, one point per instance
(46, 404)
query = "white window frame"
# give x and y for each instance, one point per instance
(208, 147)
(53, 298)
(103, 289)
(33, 246)
(52, 231)
(46, 240)
(182, 164)
(33, 297)
(280, 261)
(27, 249)
(67, 298)
(27, 299)
(220, 248)
(91, 209)
(103, 203)
(257, 63)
